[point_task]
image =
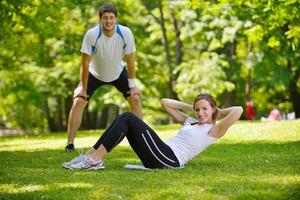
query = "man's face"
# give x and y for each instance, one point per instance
(108, 21)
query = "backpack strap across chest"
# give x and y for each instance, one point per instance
(118, 31)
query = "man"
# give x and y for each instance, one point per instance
(103, 49)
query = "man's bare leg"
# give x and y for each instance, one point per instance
(75, 118)
(136, 105)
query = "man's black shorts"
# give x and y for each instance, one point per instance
(121, 84)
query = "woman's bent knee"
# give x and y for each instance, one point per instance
(79, 102)
(127, 115)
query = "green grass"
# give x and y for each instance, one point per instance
(253, 161)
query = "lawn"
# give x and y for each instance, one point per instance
(254, 160)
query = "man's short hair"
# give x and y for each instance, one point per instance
(108, 8)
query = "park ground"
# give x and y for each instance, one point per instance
(254, 160)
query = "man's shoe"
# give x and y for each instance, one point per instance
(88, 163)
(76, 160)
(70, 147)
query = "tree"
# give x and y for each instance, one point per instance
(275, 35)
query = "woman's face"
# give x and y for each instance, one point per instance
(204, 111)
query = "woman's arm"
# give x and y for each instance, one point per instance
(173, 107)
(229, 116)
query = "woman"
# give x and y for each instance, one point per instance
(194, 137)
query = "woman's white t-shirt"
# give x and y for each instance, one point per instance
(190, 140)
(106, 62)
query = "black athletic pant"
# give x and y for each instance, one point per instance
(151, 150)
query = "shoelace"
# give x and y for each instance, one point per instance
(80, 151)
(91, 161)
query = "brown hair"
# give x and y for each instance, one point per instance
(108, 8)
(210, 100)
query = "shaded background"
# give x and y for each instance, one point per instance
(236, 50)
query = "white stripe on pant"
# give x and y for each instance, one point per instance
(154, 153)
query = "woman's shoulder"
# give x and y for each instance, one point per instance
(190, 121)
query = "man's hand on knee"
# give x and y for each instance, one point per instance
(80, 93)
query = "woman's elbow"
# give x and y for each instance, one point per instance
(164, 102)
(239, 110)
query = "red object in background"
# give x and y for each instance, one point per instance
(250, 113)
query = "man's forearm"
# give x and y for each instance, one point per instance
(84, 77)
(84, 71)
(130, 60)
(131, 70)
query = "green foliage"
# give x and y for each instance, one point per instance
(39, 58)
(197, 75)
(223, 43)
(278, 48)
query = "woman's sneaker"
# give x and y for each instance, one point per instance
(88, 163)
(76, 160)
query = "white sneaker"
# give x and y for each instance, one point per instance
(88, 163)
(75, 160)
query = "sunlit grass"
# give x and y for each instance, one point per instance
(16, 188)
(253, 161)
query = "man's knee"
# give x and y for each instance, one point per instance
(78, 101)
(135, 100)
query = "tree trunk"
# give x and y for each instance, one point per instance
(171, 83)
(295, 75)
(179, 45)
(85, 119)
(294, 90)
(50, 120)
(114, 111)
(104, 118)
(228, 98)
(93, 119)
(178, 54)
(161, 20)
(248, 85)
(59, 114)
(165, 37)
(68, 106)
(89, 119)
(248, 80)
